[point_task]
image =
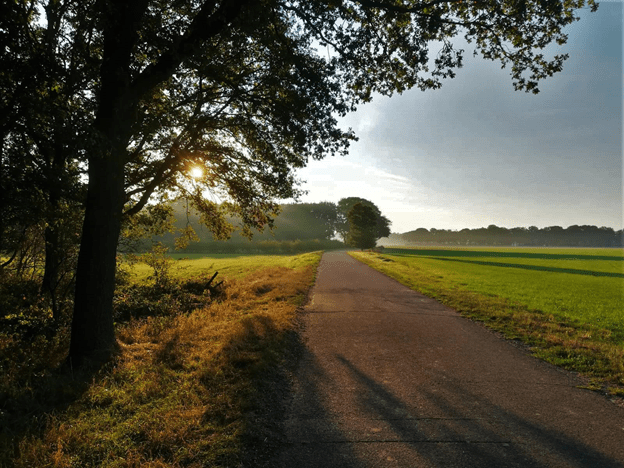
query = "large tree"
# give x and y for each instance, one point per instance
(154, 87)
(343, 225)
(362, 226)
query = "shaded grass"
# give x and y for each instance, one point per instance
(550, 254)
(183, 390)
(574, 321)
(593, 262)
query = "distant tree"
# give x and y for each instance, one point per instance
(326, 216)
(420, 235)
(554, 235)
(580, 236)
(362, 226)
(344, 206)
(383, 227)
(607, 237)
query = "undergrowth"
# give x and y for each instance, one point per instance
(183, 389)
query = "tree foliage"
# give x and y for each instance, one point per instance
(294, 222)
(42, 122)
(343, 225)
(137, 93)
(362, 226)
(300, 221)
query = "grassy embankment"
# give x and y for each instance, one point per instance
(566, 304)
(184, 388)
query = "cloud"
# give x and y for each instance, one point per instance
(476, 152)
(336, 178)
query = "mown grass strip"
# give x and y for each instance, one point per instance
(184, 388)
(555, 331)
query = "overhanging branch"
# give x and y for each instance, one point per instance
(401, 8)
(206, 24)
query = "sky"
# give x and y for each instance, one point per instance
(476, 152)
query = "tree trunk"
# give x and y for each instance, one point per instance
(53, 237)
(50, 280)
(93, 335)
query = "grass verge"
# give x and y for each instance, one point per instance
(185, 389)
(593, 351)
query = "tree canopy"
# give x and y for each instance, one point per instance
(343, 225)
(130, 96)
(362, 226)
(295, 221)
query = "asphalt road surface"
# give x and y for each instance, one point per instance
(390, 378)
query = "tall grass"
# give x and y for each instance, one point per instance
(184, 388)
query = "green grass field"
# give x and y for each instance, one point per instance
(228, 265)
(569, 299)
(585, 285)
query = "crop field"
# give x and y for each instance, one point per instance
(565, 298)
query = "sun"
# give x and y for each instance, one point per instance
(196, 172)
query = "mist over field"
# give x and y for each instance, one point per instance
(312, 226)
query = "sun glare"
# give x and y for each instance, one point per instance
(197, 172)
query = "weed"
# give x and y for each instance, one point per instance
(161, 263)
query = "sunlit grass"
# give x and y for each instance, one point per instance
(566, 303)
(184, 387)
(228, 265)
(564, 287)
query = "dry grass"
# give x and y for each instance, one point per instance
(183, 389)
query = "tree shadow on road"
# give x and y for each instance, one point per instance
(501, 438)
(280, 435)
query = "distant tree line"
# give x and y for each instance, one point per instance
(297, 227)
(552, 236)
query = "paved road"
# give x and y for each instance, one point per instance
(390, 378)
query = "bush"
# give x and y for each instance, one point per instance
(158, 259)
(164, 298)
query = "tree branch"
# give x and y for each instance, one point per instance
(401, 8)
(148, 189)
(205, 25)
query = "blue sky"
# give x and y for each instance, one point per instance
(476, 152)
